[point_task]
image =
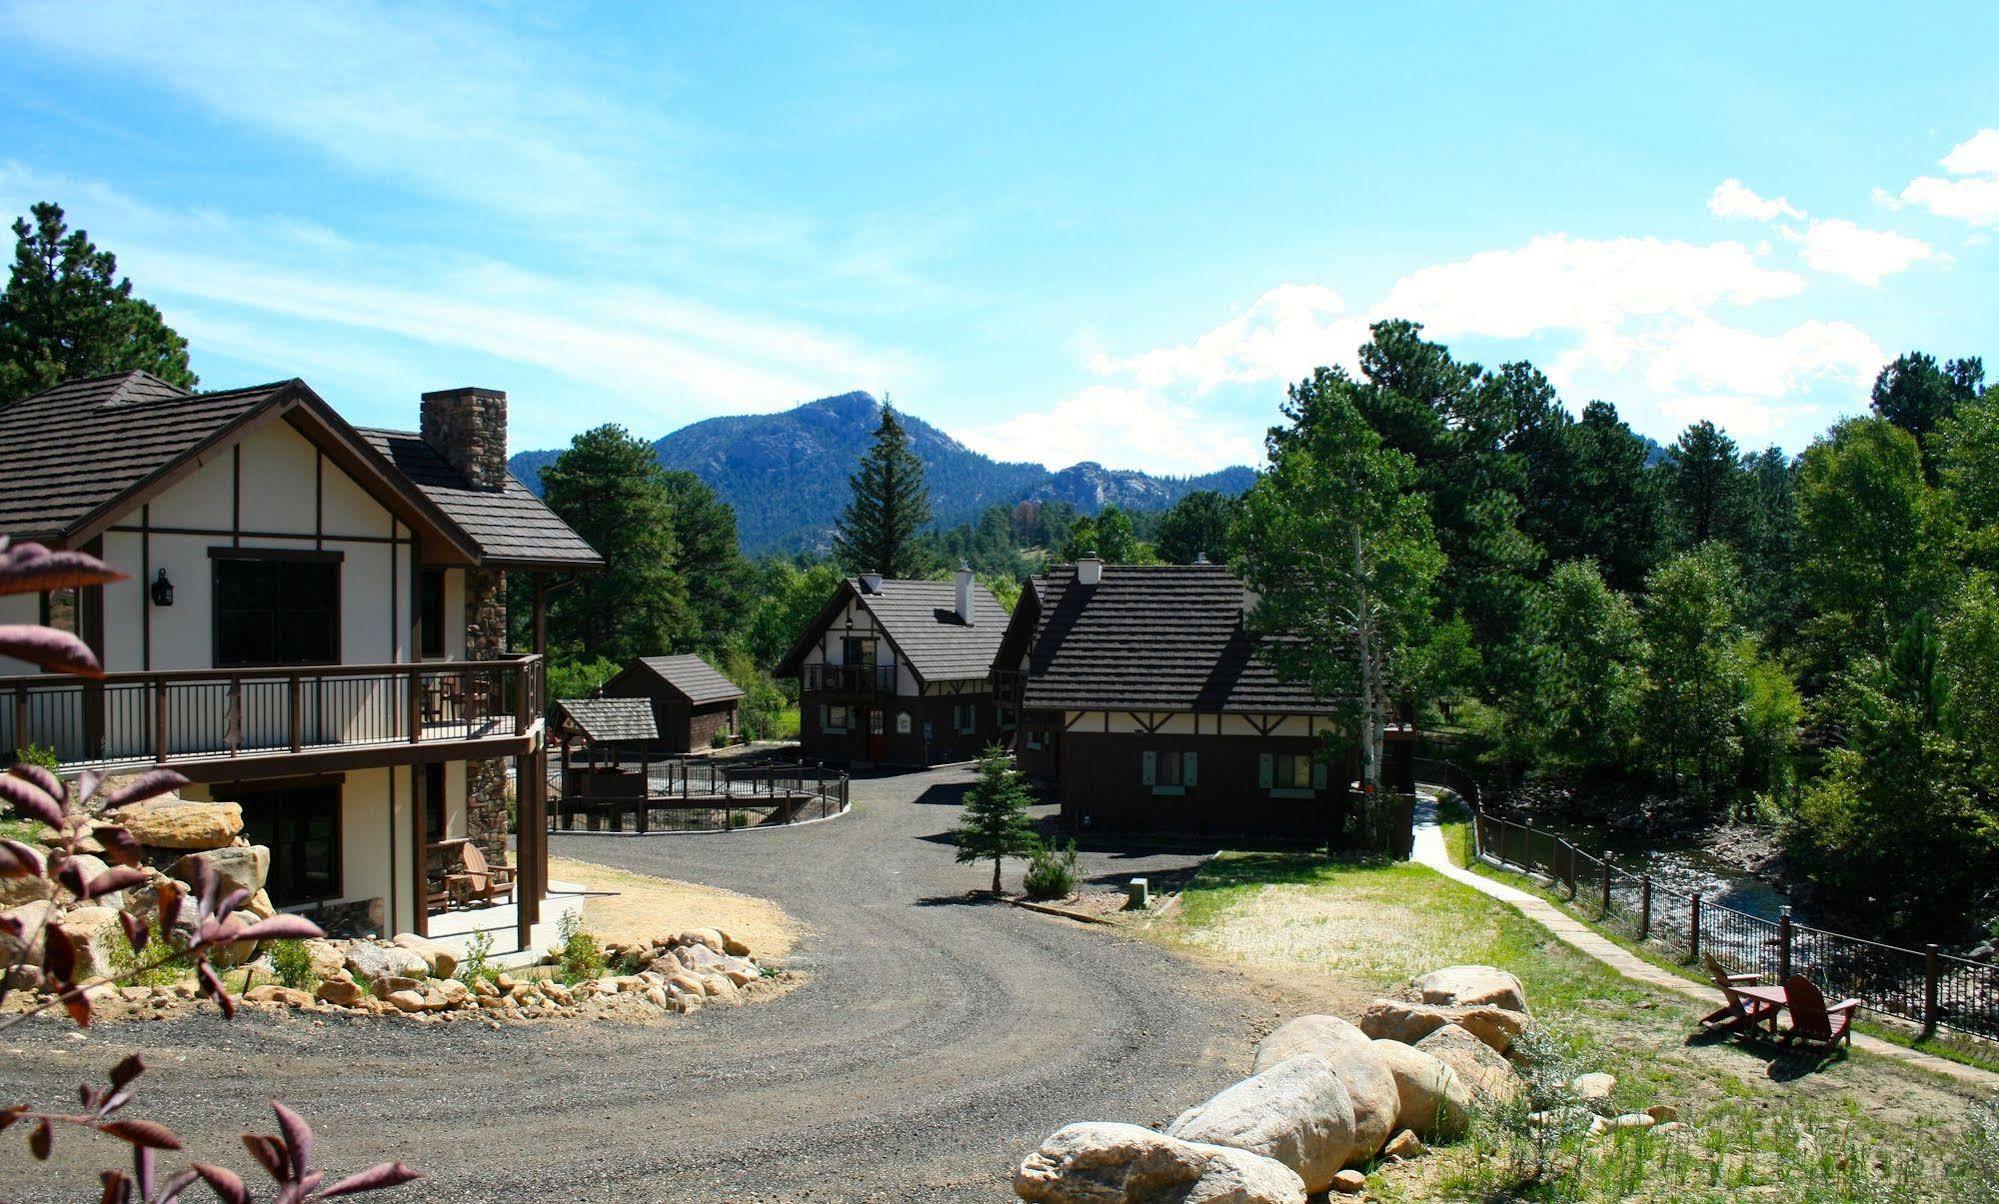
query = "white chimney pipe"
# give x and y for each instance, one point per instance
(1089, 570)
(965, 594)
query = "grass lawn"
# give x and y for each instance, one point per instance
(1758, 1122)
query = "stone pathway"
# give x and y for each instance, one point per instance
(1430, 851)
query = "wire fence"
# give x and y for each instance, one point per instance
(1925, 986)
(693, 796)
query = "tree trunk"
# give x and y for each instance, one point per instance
(996, 876)
(1371, 685)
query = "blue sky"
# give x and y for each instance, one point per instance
(1058, 231)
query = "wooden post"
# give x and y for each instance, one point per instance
(1644, 907)
(297, 713)
(1932, 1014)
(1784, 945)
(159, 721)
(1606, 886)
(524, 884)
(416, 705)
(22, 737)
(645, 790)
(1694, 931)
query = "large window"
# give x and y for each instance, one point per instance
(835, 720)
(1291, 775)
(430, 611)
(1168, 772)
(433, 801)
(301, 826)
(276, 609)
(857, 650)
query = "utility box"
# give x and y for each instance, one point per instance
(1137, 894)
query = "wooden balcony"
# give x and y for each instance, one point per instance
(221, 724)
(850, 681)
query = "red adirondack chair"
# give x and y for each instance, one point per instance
(1739, 1011)
(1812, 1021)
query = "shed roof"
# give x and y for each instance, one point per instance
(1148, 637)
(692, 677)
(920, 619)
(609, 720)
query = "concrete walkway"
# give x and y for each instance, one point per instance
(1430, 851)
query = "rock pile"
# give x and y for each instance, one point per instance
(1326, 1098)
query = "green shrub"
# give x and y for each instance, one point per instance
(38, 754)
(1051, 873)
(124, 961)
(291, 961)
(739, 820)
(478, 953)
(719, 740)
(582, 957)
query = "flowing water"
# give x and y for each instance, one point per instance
(1684, 866)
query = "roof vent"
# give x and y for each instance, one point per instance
(871, 583)
(1089, 569)
(1200, 558)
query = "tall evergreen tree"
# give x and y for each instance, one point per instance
(610, 488)
(1196, 525)
(1916, 395)
(880, 529)
(1704, 481)
(707, 557)
(66, 314)
(996, 823)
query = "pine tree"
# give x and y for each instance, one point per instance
(891, 504)
(66, 315)
(996, 823)
(610, 489)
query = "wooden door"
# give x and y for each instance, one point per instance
(877, 739)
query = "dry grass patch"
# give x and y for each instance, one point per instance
(646, 908)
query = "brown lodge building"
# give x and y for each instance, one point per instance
(897, 672)
(1141, 694)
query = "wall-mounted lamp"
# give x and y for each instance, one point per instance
(163, 590)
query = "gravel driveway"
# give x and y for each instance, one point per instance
(935, 1043)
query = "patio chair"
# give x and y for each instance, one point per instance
(1812, 1022)
(478, 884)
(1739, 1012)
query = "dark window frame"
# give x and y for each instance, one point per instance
(292, 799)
(272, 556)
(430, 612)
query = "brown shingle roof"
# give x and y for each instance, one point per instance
(1150, 637)
(696, 680)
(510, 525)
(920, 618)
(67, 452)
(609, 720)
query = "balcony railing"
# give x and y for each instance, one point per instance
(860, 680)
(140, 718)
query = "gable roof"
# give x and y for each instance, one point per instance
(609, 720)
(1165, 637)
(693, 678)
(75, 457)
(512, 527)
(920, 621)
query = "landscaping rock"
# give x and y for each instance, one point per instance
(241, 867)
(95, 932)
(1297, 1112)
(1593, 1086)
(1404, 1145)
(1349, 1183)
(1664, 1114)
(389, 984)
(236, 952)
(328, 957)
(1354, 1058)
(343, 992)
(1400, 1020)
(26, 889)
(438, 960)
(1474, 1060)
(732, 946)
(708, 937)
(175, 824)
(405, 1001)
(375, 961)
(260, 905)
(1098, 1163)
(1434, 1100)
(1472, 986)
(273, 993)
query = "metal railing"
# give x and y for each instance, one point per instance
(851, 679)
(157, 718)
(701, 795)
(1925, 986)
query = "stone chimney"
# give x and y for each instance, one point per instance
(1089, 569)
(468, 427)
(871, 582)
(964, 583)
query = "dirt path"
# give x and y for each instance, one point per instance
(1430, 851)
(934, 1043)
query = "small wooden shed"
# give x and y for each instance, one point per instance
(691, 700)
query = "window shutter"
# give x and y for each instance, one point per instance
(1266, 770)
(1189, 773)
(825, 723)
(1148, 768)
(1318, 775)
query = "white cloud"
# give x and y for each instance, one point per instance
(1556, 282)
(1283, 335)
(1973, 195)
(1147, 428)
(1842, 248)
(1732, 199)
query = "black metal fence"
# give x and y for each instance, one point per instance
(702, 795)
(1925, 986)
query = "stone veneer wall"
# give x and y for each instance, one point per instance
(468, 427)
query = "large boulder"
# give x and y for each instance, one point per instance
(28, 888)
(1472, 986)
(96, 933)
(28, 919)
(175, 824)
(1103, 1163)
(1435, 1102)
(1369, 1084)
(1475, 1061)
(441, 961)
(241, 867)
(379, 961)
(1400, 1020)
(1297, 1112)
